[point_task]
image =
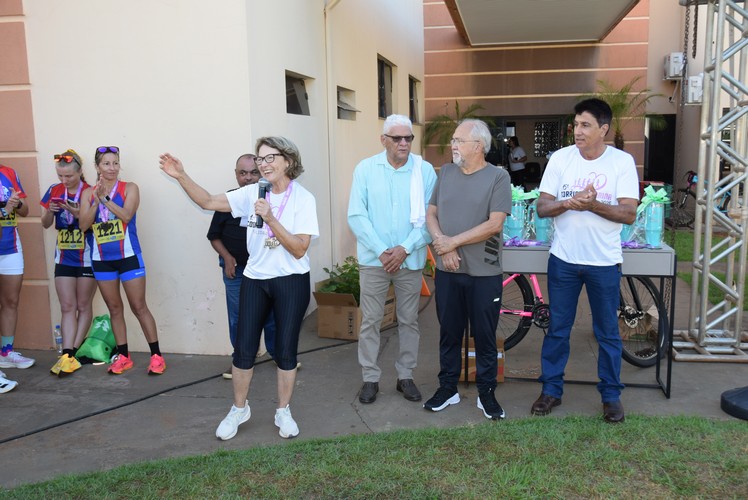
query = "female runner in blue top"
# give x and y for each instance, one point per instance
(109, 209)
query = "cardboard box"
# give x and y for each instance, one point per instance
(471, 361)
(339, 317)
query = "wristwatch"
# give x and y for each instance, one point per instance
(107, 198)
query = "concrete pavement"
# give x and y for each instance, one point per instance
(93, 421)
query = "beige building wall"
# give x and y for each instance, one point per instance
(359, 31)
(666, 32)
(203, 80)
(17, 150)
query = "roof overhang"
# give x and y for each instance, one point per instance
(503, 22)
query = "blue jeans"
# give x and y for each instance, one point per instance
(233, 286)
(461, 298)
(564, 286)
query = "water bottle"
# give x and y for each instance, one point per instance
(57, 336)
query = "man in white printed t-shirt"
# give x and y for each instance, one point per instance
(590, 189)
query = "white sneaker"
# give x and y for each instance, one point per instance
(5, 384)
(229, 425)
(15, 360)
(285, 422)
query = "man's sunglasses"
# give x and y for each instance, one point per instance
(65, 158)
(397, 138)
(108, 149)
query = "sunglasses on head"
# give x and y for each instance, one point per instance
(108, 149)
(65, 158)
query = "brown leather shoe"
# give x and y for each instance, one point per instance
(368, 392)
(409, 389)
(613, 412)
(544, 404)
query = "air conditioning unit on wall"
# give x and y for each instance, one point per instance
(673, 69)
(694, 89)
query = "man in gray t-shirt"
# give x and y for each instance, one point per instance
(465, 217)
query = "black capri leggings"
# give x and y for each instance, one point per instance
(288, 298)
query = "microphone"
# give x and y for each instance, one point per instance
(264, 185)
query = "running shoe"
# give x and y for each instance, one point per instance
(230, 425)
(157, 365)
(120, 365)
(69, 365)
(443, 398)
(55, 370)
(287, 427)
(14, 360)
(491, 408)
(5, 384)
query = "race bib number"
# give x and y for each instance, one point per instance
(70, 239)
(106, 232)
(9, 220)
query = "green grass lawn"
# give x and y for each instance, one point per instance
(683, 246)
(571, 457)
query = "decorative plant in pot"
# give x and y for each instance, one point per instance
(343, 278)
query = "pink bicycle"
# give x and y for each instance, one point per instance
(642, 317)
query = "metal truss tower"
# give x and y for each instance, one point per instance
(717, 332)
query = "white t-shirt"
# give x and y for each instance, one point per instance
(299, 216)
(517, 152)
(583, 237)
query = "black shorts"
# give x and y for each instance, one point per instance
(63, 271)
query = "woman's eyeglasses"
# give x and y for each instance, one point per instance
(267, 158)
(65, 158)
(108, 149)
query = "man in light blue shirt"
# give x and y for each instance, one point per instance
(386, 212)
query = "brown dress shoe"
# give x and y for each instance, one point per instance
(368, 392)
(409, 389)
(613, 412)
(544, 404)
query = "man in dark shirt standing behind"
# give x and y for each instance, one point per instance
(228, 237)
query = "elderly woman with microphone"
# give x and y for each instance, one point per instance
(280, 228)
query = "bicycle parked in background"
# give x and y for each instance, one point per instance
(642, 316)
(682, 213)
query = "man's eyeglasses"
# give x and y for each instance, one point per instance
(254, 172)
(65, 158)
(108, 149)
(454, 141)
(267, 158)
(397, 138)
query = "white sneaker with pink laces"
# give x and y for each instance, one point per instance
(14, 360)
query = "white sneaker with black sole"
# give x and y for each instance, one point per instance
(441, 399)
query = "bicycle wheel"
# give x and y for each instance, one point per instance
(680, 215)
(516, 298)
(642, 320)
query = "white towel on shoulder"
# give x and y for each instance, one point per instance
(417, 203)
